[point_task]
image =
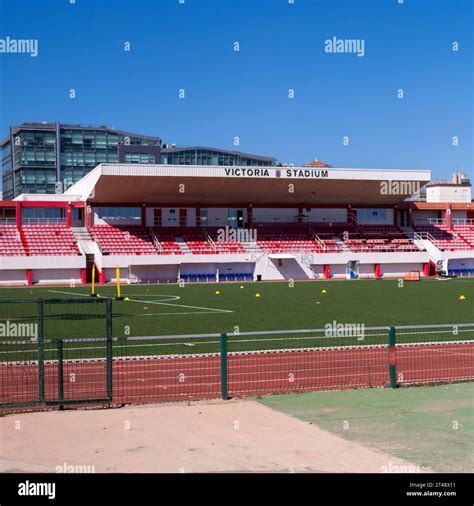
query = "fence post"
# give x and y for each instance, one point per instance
(60, 374)
(109, 353)
(392, 367)
(224, 367)
(41, 350)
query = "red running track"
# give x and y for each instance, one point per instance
(154, 379)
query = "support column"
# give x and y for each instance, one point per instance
(88, 219)
(68, 216)
(447, 217)
(143, 215)
(377, 271)
(198, 216)
(395, 216)
(327, 271)
(300, 215)
(83, 276)
(18, 214)
(250, 216)
(29, 277)
(410, 217)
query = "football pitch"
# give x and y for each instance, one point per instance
(236, 309)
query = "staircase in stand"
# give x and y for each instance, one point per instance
(183, 245)
(87, 246)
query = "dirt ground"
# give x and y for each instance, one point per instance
(214, 436)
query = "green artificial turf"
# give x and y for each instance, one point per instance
(157, 310)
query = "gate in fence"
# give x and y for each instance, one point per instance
(43, 347)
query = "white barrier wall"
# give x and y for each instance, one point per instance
(366, 270)
(399, 270)
(13, 277)
(145, 273)
(57, 276)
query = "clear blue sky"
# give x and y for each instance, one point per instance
(245, 93)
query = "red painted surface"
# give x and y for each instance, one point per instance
(102, 277)
(29, 277)
(198, 377)
(377, 271)
(23, 241)
(327, 271)
(83, 276)
(426, 269)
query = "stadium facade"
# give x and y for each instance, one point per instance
(165, 223)
(50, 157)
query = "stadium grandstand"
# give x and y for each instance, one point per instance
(202, 223)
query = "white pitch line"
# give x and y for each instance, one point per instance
(183, 305)
(213, 310)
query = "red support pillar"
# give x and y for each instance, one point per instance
(426, 269)
(377, 271)
(83, 276)
(18, 214)
(68, 216)
(102, 277)
(88, 216)
(447, 217)
(327, 271)
(29, 277)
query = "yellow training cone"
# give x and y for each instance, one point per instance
(257, 295)
(324, 290)
(217, 292)
(126, 298)
(241, 286)
(462, 297)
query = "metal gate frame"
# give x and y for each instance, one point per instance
(43, 339)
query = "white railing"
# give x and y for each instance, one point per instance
(155, 240)
(7, 221)
(428, 221)
(209, 239)
(462, 221)
(423, 236)
(44, 221)
(319, 241)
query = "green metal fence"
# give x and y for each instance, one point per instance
(74, 360)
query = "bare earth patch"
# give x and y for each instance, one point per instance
(214, 436)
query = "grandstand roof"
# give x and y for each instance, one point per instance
(187, 184)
